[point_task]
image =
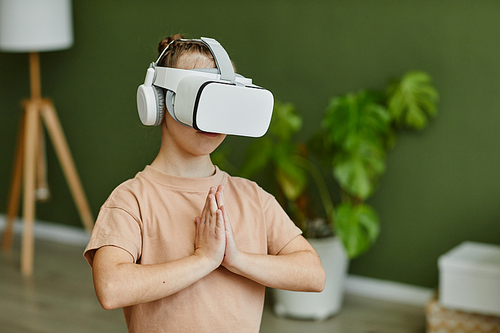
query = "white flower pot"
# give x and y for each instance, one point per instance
(318, 306)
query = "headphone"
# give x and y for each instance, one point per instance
(151, 98)
(208, 99)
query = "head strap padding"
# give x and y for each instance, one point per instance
(221, 58)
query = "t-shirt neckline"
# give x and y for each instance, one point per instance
(200, 184)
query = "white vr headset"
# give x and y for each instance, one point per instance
(212, 100)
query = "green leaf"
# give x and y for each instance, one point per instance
(277, 150)
(352, 176)
(412, 100)
(359, 128)
(285, 121)
(290, 175)
(352, 118)
(357, 172)
(291, 184)
(358, 226)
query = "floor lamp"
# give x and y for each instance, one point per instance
(34, 26)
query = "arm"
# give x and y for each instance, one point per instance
(296, 267)
(120, 282)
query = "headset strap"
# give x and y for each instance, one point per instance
(221, 59)
(220, 55)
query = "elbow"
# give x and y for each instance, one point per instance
(107, 296)
(317, 278)
(107, 304)
(313, 276)
(318, 283)
(318, 287)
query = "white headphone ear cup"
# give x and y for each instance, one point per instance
(160, 104)
(150, 104)
(146, 104)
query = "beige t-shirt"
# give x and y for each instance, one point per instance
(152, 217)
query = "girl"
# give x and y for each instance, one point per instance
(185, 247)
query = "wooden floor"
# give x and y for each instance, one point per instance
(60, 298)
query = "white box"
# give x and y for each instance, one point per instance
(469, 278)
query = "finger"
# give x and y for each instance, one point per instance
(203, 211)
(220, 196)
(208, 216)
(220, 218)
(227, 224)
(224, 212)
(220, 225)
(206, 207)
(213, 204)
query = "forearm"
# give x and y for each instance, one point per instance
(123, 284)
(298, 271)
(119, 282)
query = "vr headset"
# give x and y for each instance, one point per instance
(212, 100)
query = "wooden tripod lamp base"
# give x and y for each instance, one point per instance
(37, 113)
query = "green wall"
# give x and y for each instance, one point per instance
(442, 186)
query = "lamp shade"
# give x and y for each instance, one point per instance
(35, 25)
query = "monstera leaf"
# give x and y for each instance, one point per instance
(352, 118)
(357, 172)
(412, 100)
(357, 226)
(359, 129)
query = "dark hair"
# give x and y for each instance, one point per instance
(179, 48)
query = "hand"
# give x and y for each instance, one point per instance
(210, 238)
(231, 253)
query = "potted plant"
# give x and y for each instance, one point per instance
(293, 172)
(358, 130)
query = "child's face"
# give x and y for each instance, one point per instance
(188, 139)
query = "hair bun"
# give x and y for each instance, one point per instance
(167, 40)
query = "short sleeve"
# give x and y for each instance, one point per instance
(280, 228)
(115, 227)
